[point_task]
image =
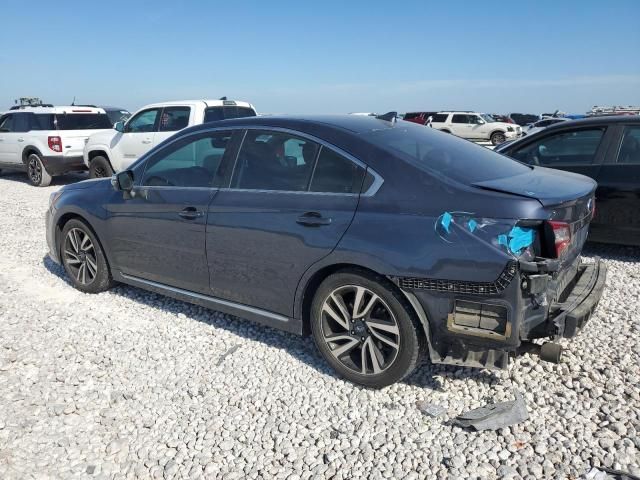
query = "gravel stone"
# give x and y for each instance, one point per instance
(130, 384)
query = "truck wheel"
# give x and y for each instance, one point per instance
(100, 168)
(38, 175)
(497, 138)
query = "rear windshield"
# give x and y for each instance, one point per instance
(444, 154)
(83, 121)
(212, 114)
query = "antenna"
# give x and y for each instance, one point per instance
(74, 101)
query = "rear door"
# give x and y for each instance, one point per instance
(460, 125)
(289, 202)
(618, 207)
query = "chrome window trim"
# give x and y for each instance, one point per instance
(370, 192)
(219, 301)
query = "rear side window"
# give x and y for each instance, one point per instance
(21, 122)
(336, 174)
(274, 161)
(440, 117)
(174, 119)
(445, 155)
(630, 146)
(460, 119)
(575, 147)
(42, 121)
(212, 114)
(82, 121)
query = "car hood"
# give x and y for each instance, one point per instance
(97, 183)
(550, 187)
(102, 138)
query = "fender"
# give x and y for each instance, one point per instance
(28, 148)
(96, 147)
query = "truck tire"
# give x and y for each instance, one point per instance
(99, 167)
(37, 174)
(497, 138)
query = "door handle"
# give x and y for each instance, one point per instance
(313, 219)
(21, 139)
(146, 141)
(190, 213)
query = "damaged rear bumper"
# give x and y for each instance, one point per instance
(582, 298)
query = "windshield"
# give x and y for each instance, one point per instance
(444, 154)
(83, 121)
(488, 118)
(117, 116)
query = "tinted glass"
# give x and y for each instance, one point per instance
(143, 121)
(524, 118)
(409, 116)
(440, 117)
(6, 123)
(42, 121)
(174, 119)
(21, 122)
(82, 121)
(460, 119)
(274, 161)
(188, 163)
(630, 146)
(336, 174)
(212, 114)
(444, 155)
(117, 116)
(577, 147)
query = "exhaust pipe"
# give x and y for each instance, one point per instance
(548, 352)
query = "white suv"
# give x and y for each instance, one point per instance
(114, 151)
(476, 126)
(47, 141)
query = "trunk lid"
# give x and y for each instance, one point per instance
(73, 141)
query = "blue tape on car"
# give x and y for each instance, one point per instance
(520, 238)
(503, 240)
(445, 221)
(472, 224)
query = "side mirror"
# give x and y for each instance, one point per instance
(119, 126)
(122, 181)
(480, 121)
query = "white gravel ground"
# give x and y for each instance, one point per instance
(128, 384)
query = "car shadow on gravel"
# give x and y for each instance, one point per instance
(428, 375)
(57, 181)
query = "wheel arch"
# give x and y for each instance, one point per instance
(28, 150)
(63, 220)
(99, 152)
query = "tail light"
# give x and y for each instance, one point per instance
(55, 143)
(562, 237)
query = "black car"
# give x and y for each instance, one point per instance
(385, 240)
(606, 149)
(523, 119)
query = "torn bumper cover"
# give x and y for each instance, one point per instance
(580, 300)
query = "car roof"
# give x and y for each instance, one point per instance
(603, 120)
(59, 109)
(208, 103)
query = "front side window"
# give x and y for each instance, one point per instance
(6, 123)
(21, 122)
(460, 119)
(630, 146)
(577, 147)
(144, 121)
(190, 162)
(274, 161)
(336, 174)
(174, 119)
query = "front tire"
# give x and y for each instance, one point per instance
(83, 258)
(497, 138)
(100, 167)
(37, 174)
(365, 329)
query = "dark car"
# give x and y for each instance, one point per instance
(384, 240)
(606, 149)
(422, 117)
(117, 114)
(502, 118)
(523, 119)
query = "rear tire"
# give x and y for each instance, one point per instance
(83, 258)
(99, 167)
(497, 138)
(37, 174)
(376, 341)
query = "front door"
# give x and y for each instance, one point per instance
(9, 140)
(159, 232)
(281, 214)
(137, 138)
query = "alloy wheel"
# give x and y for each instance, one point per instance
(80, 256)
(360, 329)
(35, 169)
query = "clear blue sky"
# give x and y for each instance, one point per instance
(325, 56)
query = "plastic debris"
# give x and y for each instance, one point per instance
(430, 409)
(445, 221)
(494, 416)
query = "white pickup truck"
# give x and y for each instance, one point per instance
(115, 150)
